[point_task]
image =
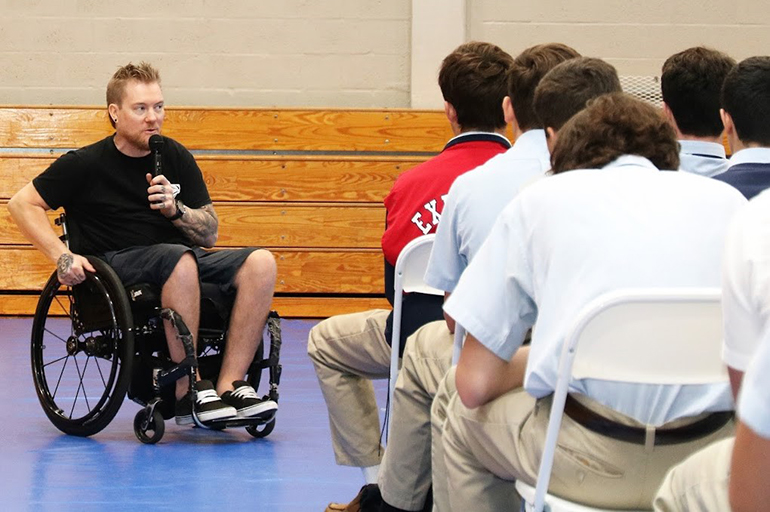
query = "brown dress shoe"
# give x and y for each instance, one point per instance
(367, 499)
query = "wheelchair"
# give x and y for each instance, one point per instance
(94, 343)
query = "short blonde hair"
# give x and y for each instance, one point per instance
(144, 73)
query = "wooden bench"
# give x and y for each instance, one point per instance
(307, 184)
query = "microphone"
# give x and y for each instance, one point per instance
(156, 145)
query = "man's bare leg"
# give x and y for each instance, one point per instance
(255, 283)
(181, 292)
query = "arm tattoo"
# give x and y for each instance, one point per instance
(64, 264)
(200, 225)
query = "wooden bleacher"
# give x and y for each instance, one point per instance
(306, 184)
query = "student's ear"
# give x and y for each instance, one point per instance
(450, 112)
(508, 113)
(668, 114)
(730, 131)
(550, 138)
(727, 121)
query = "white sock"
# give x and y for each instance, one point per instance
(371, 473)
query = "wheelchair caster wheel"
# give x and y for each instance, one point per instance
(149, 430)
(260, 431)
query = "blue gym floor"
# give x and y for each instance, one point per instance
(291, 470)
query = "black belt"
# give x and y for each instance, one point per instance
(638, 435)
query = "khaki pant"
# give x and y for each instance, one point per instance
(405, 473)
(348, 352)
(700, 483)
(446, 390)
(486, 449)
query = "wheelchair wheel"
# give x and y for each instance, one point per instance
(260, 431)
(149, 430)
(82, 350)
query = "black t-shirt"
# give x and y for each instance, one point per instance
(104, 193)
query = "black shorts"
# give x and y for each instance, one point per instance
(154, 263)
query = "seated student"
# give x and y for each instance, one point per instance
(562, 92)
(559, 244)
(691, 82)
(349, 350)
(750, 464)
(745, 113)
(701, 482)
(474, 201)
(568, 88)
(152, 229)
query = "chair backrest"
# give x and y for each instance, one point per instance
(661, 329)
(660, 336)
(459, 339)
(409, 278)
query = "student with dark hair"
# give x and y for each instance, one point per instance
(615, 126)
(473, 202)
(745, 113)
(349, 350)
(691, 83)
(567, 89)
(561, 243)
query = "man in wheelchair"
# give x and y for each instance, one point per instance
(147, 213)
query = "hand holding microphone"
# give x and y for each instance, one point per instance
(160, 192)
(156, 146)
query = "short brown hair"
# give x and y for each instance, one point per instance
(528, 68)
(691, 83)
(473, 81)
(746, 97)
(613, 125)
(566, 89)
(144, 73)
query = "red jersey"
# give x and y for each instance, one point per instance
(415, 202)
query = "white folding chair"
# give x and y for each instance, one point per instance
(646, 336)
(458, 343)
(409, 278)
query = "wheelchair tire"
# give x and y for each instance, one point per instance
(82, 363)
(149, 430)
(260, 431)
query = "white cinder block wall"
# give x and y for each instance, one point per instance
(345, 53)
(634, 35)
(335, 53)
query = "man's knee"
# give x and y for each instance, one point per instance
(433, 340)
(185, 271)
(258, 267)
(315, 342)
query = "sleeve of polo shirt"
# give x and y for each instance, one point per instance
(740, 315)
(446, 264)
(493, 299)
(754, 400)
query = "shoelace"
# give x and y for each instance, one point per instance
(206, 396)
(246, 392)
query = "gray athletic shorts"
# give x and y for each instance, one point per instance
(154, 263)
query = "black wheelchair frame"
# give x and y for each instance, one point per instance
(111, 343)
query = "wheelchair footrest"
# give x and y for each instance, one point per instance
(241, 422)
